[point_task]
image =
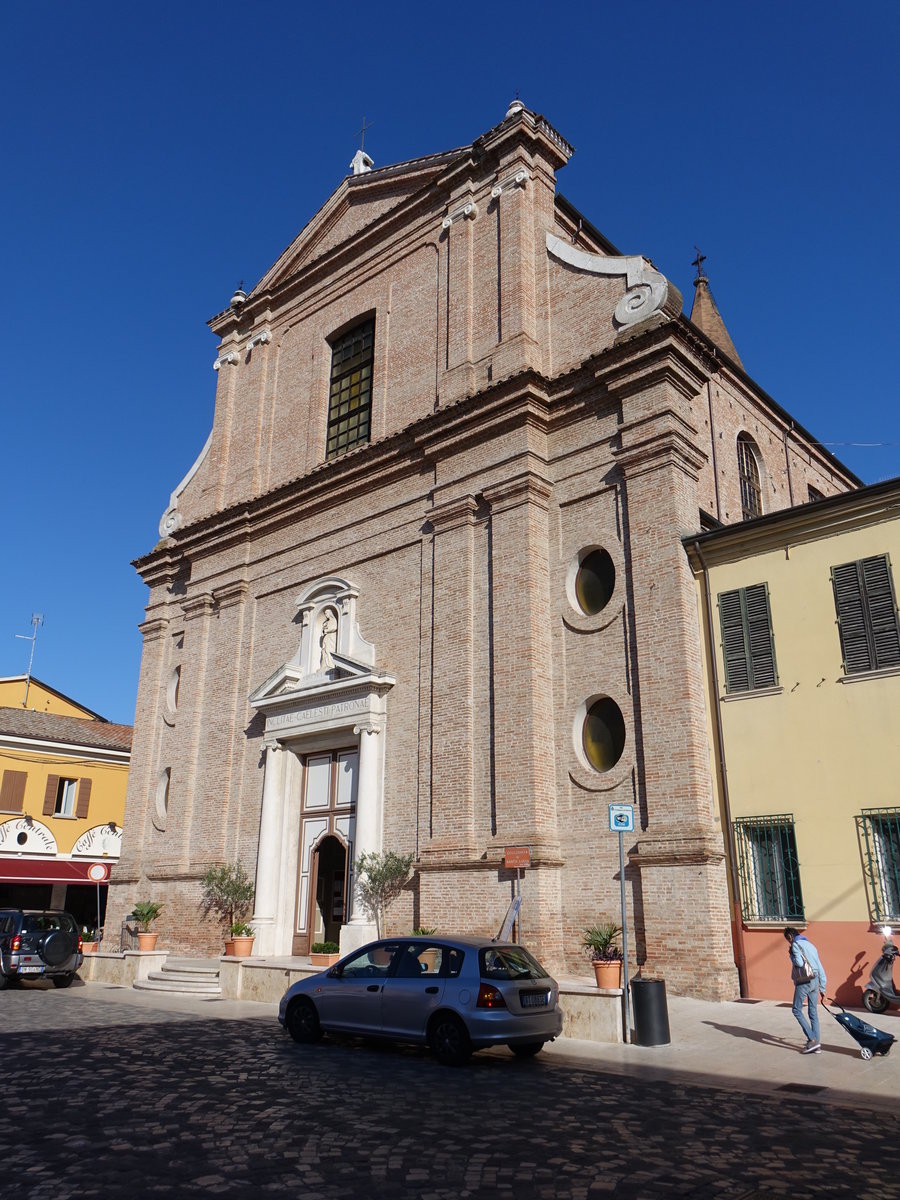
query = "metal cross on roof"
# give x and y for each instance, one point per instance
(698, 262)
(362, 133)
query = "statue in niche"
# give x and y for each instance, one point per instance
(327, 640)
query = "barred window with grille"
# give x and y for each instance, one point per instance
(748, 646)
(768, 869)
(350, 397)
(879, 830)
(867, 614)
(748, 471)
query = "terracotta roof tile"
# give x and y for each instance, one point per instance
(52, 727)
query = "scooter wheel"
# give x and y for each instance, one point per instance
(866, 1053)
(874, 1001)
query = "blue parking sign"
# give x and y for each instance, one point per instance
(621, 818)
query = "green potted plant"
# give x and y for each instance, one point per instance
(324, 954)
(428, 957)
(601, 944)
(228, 890)
(145, 913)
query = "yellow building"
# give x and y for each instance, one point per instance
(802, 661)
(63, 777)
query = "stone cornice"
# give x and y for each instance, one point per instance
(444, 859)
(200, 605)
(162, 565)
(663, 439)
(656, 358)
(677, 849)
(452, 514)
(153, 629)
(527, 488)
(231, 593)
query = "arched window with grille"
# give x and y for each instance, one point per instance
(748, 472)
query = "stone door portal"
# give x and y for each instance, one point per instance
(326, 846)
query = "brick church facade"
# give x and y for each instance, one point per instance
(425, 589)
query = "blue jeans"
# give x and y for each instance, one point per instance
(808, 993)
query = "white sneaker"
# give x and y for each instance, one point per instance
(812, 1048)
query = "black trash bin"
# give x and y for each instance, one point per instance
(651, 1014)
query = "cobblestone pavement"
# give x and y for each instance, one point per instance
(104, 1097)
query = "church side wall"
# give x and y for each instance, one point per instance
(736, 410)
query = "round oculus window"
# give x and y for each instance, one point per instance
(603, 734)
(594, 582)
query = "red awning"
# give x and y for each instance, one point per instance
(53, 870)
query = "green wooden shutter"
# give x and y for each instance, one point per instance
(734, 642)
(50, 795)
(867, 614)
(882, 610)
(83, 799)
(748, 647)
(759, 635)
(12, 791)
(851, 614)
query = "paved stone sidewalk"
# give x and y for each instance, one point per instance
(113, 1093)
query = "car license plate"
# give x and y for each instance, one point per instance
(30, 970)
(534, 999)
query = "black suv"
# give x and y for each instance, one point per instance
(39, 944)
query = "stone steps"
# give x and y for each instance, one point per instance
(184, 979)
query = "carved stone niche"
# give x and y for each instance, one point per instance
(329, 630)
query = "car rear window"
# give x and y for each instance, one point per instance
(7, 923)
(45, 922)
(509, 962)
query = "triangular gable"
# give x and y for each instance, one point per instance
(357, 203)
(290, 679)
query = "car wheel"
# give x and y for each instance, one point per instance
(62, 980)
(449, 1040)
(303, 1022)
(526, 1049)
(874, 1001)
(4, 981)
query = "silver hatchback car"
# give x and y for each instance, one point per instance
(454, 995)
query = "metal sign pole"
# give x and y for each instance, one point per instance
(621, 821)
(624, 940)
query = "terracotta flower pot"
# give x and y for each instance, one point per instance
(608, 972)
(89, 947)
(147, 941)
(240, 946)
(323, 960)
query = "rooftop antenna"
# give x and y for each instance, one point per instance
(37, 619)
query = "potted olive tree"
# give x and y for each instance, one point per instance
(601, 944)
(145, 913)
(380, 878)
(228, 890)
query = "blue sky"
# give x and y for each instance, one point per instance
(155, 155)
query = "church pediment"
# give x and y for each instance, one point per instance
(288, 684)
(358, 203)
